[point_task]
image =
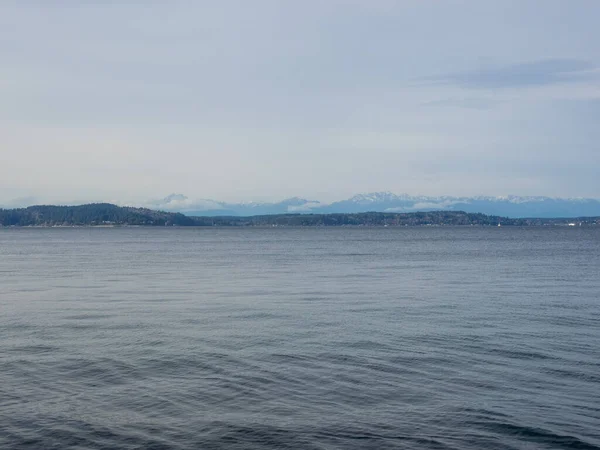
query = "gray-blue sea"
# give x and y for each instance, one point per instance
(307, 338)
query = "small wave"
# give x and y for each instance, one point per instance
(536, 435)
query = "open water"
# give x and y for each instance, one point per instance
(320, 338)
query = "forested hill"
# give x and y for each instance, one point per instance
(106, 214)
(92, 214)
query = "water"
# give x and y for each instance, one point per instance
(425, 338)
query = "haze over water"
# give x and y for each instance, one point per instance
(417, 338)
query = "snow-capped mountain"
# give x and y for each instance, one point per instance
(509, 206)
(206, 207)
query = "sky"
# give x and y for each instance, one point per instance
(258, 101)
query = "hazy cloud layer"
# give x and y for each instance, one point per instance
(264, 100)
(535, 73)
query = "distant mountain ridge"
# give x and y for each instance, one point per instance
(507, 206)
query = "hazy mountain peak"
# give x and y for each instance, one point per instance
(373, 197)
(297, 201)
(175, 198)
(385, 201)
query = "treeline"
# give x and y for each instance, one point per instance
(92, 214)
(363, 219)
(98, 214)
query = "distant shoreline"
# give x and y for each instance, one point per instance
(267, 227)
(105, 215)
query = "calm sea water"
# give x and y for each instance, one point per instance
(422, 338)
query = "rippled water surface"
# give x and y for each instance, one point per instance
(421, 338)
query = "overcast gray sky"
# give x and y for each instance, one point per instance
(266, 99)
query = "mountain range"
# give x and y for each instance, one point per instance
(508, 206)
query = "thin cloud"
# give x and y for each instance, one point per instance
(536, 73)
(468, 103)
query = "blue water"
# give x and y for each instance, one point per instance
(418, 338)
